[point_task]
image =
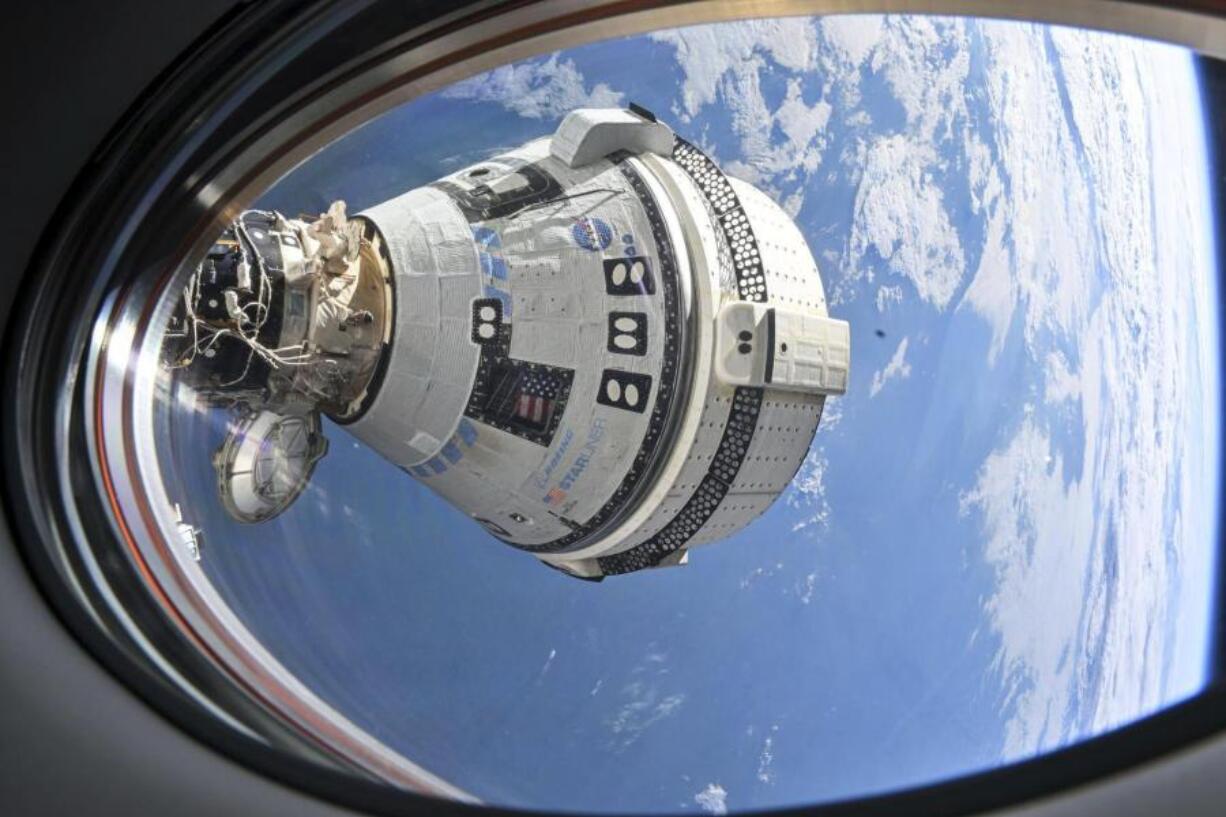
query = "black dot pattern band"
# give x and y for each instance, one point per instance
(746, 400)
(711, 491)
(733, 222)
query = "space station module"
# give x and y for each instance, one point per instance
(598, 346)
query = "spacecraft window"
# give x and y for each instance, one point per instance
(326, 459)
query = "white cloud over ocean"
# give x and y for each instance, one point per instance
(713, 799)
(1103, 227)
(779, 149)
(536, 89)
(645, 700)
(897, 369)
(1091, 226)
(1083, 259)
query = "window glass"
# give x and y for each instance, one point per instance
(1000, 540)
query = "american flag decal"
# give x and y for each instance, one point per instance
(521, 398)
(555, 496)
(533, 408)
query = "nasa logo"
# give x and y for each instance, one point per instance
(592, 234)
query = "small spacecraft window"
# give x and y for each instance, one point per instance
(857, 380)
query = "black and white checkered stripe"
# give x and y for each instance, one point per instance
(746, 400)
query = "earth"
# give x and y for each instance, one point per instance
(1002, 539)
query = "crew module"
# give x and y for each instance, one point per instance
(598, 346)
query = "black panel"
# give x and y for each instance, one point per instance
(483, 202)
(629, 276)
(492, 526)
(516, 396)
(642, 112)
(521, 398)
(770, 346)
(487, 321)
(627, 339)
(629, 391)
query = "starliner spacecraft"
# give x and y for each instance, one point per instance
(598, 346)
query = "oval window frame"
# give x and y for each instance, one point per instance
(258, 93)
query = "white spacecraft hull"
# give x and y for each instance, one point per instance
(585, 422)
(597, 345)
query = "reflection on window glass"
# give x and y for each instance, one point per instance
(999, 541)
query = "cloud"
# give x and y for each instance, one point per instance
(888, 297)
(645, 702)
(779, 148)
(708, 54)
(645, 708)
(1095, 250)
(548, 663)
(536, 90)
(1038, 544)
(897, 368)
(1062, 384)
(899, 216)
(925, 61)
(852, 37)
(754, 575)
(713, 799)
(767, 757)
(807, 493)
(1043, 205)
(806, 589)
